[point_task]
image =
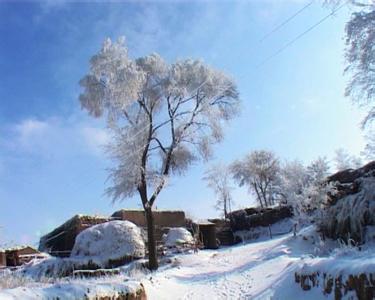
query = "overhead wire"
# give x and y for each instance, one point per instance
(278, 27)
(291, 42)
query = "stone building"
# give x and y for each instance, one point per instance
(60, 241)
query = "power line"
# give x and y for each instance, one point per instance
(286, 21)
(301, 35)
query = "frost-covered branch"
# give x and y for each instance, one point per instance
(150, 105)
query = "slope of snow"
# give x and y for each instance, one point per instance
(259, 270)
(111, 240)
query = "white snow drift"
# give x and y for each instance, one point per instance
(177, 236)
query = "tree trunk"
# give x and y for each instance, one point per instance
(225, 209)
(152, 255)
(258, 194)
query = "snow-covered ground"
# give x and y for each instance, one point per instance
(259, 270)
(240, 272)
(263, 269)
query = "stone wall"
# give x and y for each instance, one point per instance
(248, 218)
(363, 285)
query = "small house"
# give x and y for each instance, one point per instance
(20, 255)
(207, 233)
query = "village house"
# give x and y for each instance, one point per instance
(18, 256)
(60, 241)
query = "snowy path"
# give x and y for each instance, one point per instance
(242, 272)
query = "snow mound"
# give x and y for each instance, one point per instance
(110, 242)
(178, 236)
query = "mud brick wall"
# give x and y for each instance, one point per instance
(161, 218)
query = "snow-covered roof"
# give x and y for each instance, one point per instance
(15, 248)
(203, 222)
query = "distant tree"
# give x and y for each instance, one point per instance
(293, 179)
(163, 117)
(302, 187)
(259, 171)
(343, 160)
(318, 170)
(218, 179)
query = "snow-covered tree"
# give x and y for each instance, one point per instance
(259, 171)
(343, 160)
(360, 53)
(318, 170)
(218, 178)
(360, 58)
(163, 117)
(302, 187)
(293, 179)
(369, 151)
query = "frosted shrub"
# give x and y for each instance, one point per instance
(353, 215)
(11, 280)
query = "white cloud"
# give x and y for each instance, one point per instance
(55, 137)
(95, 138)
(28, 129)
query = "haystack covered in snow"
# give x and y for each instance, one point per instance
(110, 244)
(177, 236)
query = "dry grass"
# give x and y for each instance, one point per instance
(11, 280)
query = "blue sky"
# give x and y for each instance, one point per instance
(51, 161)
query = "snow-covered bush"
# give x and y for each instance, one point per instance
(13, 280)
(304, 188)
(352, 216)
(178, 236)
(109, 244)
